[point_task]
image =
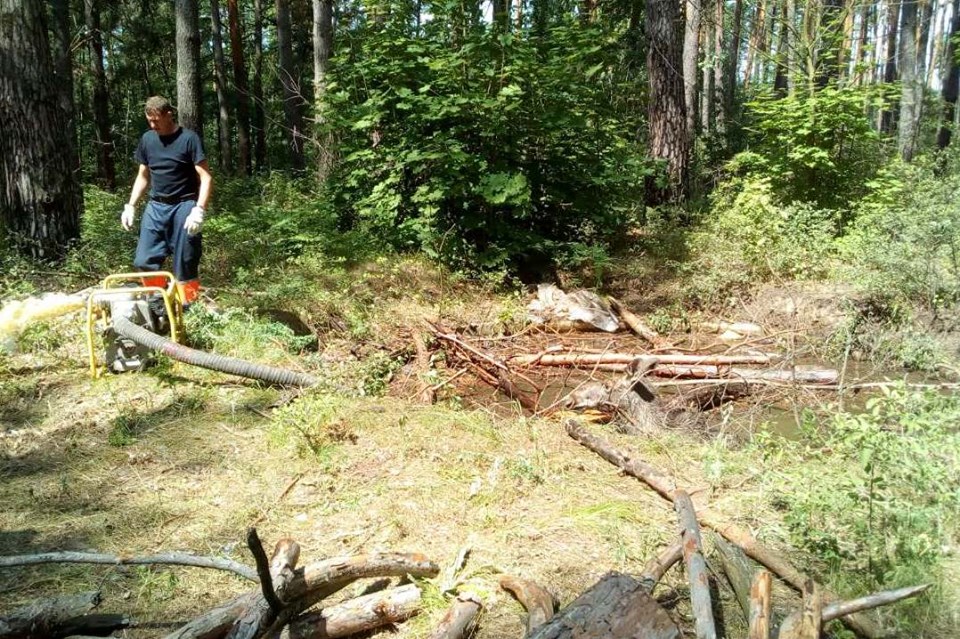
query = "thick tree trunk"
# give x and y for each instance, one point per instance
(666, 112)
(720, 54)
(706, 70)
(911, 93)
(240, 81)
(220, 82)
(259, 119)
(322, 50)
(781, 79)
(63, 66)
(733, 62)
(291, 86)
(831, 32)
(40, 197)
(863, 64)
(951, 84)
(691, 55)
(189, 103)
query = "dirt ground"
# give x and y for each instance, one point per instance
(184, 459)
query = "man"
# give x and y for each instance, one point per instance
(173, 165)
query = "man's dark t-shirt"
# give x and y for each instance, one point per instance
(171, 160)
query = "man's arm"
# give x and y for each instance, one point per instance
(140, 184)
(206, 184)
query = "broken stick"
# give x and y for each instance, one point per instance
(761, 602)
(459, 618)
(539, 603)
(696, 566)
(169, 558)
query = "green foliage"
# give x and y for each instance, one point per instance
(237, 331)
(125, 426)
(484, 149)
(749, 235)
(316, 425)
(904, 246)
(878, 494)
(814, 147)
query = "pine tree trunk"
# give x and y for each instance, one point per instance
(719, 56)
(322, 50)
(863, 65)
(291, 92)
(501, 15)
(240, 81)
(40, 196)
(781, 81)
(832, 33)
(756, 41)
(951, 84)
(259, 118)
(666, 112)
(100, 104)
(910, 94)
(189, 105)
(63, 67)
(890, 65)
(691, 55)
(221, 83)
(733, 63)
(706, 72)
(923, 44)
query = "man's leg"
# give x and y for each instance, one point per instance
(186, 255)
(152, 246)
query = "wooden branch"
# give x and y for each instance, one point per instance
(275, 578)
(665, 486)
(843, 608)
(59, 617)
(696, 566)
(459, 618)
(657, 567)
(637, 325)
(616, 607)
(738, 570)
(587, 360)
(353, 616)
(169, 558)
(427, 395)
(825, 376)
(539, 603)
(761, 602)
(309, 585)
(807, 623)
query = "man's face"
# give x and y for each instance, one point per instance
(162, 123)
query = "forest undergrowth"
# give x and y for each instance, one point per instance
(859, 487)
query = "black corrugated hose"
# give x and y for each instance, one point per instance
(212, 361)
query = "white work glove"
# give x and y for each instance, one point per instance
(126, 218)
(194, 221)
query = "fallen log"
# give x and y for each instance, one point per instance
(169, 558)
(309, 585)
(666, 487)
(353, 616)
(738, 570)
(539, 603)
(807, 623)
(637, 325)
(275, 576)
(825, 376)
(657, 567)
(761, 602)
(697, 572)
(616, 607)
(587, 360)
(60, 616)
(459, 619)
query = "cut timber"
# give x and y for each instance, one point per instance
(59, 617)
(738, 569)
(309, 585)
(356, 615)
(539, 603)
(697, 572)
(657, 567)
(616, 607)
(587, 360)
(459, 619)
(761, 598)
(840, 609)
(666, 486)
(808, 622)
(169, 558)
(637, 325)
(795, 375)
(275, 575)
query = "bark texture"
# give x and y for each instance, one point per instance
(189, 106)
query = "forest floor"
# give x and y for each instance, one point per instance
(184, 459)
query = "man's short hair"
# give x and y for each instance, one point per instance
(158, 105)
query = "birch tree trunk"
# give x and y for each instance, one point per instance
(189, 105)
(220, 83)
(40, 197)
